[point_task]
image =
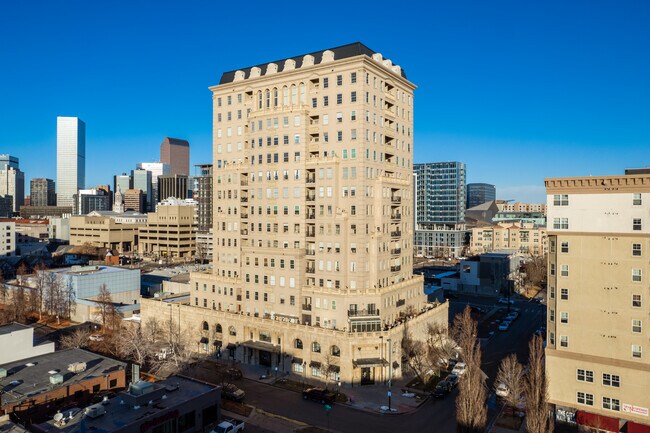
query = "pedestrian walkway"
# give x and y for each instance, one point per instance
(372, 398)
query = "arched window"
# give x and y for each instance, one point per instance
(206, 327)
(268, 98)
(315, 347)
(232, 331)
(303, 95)
(294, 95)
(218, 329)
(285, 96)
(297, 343)
(335, 351)
(259, 99)
(275, 97)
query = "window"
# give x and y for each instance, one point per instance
(636, 351)
(636, 301)
(636, 224)
(560, 200)
(636, 326)
(564, 270)
(636, 249)
(326, 82)
(335, 351)
(636, 275)
(564, 317)
(297, 343)
(315, 347)
(353, 77)
(611, 380)
(339, 98)
(561, 223)
(353, 97)
(584, 398)
(112, 383)
(611, 404)
(636, 200)
(564, 247)
(339, 80)
(552, 269)
(585, 375)
(564, 294)
(551, 315)
(564, 341)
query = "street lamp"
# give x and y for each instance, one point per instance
(276, 373)
(390, 371)
(304, 372)
(381, 337)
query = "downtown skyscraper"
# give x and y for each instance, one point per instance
(70, 159)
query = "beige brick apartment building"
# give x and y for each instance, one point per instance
(598, 354)
(527, 238)
(313, 218)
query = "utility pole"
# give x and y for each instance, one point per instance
(390, 371)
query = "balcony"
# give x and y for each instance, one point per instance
(311, 179)
(306, 307)
(311, 233)
(396, 216)
(310, 269)
(311, 197)
(244, 182)
(244, 232)
(364, 312)
(311, 216)
(396, 251)
(396, 199)
(395, 268)
(239, 297)
(310, 252)
(244, 199)
(244, 215)
(396, 234)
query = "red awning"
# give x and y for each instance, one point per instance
(633, 427)
(597, 421)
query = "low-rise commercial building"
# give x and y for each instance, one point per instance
(7, 238)
(102, 230)
(440, 240)
(37, 386)
(20, 338)
(521, 207)
(490, 274)
(526, 238)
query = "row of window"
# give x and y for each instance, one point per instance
(563, 199)
(564, 295)
(609, 379)
(637, 324)
(637, 350)
(587, 399)
(564, 248)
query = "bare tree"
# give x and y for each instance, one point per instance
(327, 367)
(133, 342)
(38, 293)
(440, 347)
(536, 390)
(79, 339)
(18, 303)
(20, 273)
(511, 374)
(416, 355)
(106, 310)
(471, 408)
(535, 271)
(3, 288)
(54, 299)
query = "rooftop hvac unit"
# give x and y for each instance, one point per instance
(3, 373)
(95, 411)
(77, 367)
(56, 379)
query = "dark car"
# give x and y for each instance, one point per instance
(231, 392)
(452, 380)
(234, 373)
(319, 394)
(442, 389)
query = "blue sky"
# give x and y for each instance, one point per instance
(518, 90)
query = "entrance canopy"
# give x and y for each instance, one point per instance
(261, 345)
(369, 362)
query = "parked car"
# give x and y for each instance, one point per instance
(502, 390)
(453, 379)
(442, 389)
(512, 316)
(234, 373)
(319, 394)
(504, 325)
(459, 369)
(229, 426)
(506, 301)
(231, 392)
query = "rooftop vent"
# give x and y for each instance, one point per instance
(77, 367)
(56, 379)
(140, 388)
(3, 373)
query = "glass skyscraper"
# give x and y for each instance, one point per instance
(70, 159)
(440, 192)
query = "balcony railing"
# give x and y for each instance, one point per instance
(244, 232)
(311, 197)
(311, 233)
(244, 199)
(311, 216)
(396, 216)
(395, 268)
(244, 183)
(311, 179)
(239, 297)
(396, 199)
(310, 269)
(310, 252)
(306, 307)
(396, 251)
(244, 215)
(364, 312)
(396, 234)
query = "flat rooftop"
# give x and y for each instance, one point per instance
(176, 390)
(12, 327)
(91, 270)
(31, 376)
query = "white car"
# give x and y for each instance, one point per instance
(504, 325)
(459, 369)
(502, 390)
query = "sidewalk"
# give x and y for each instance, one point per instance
(372, 398)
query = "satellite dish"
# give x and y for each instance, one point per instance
(58, 417)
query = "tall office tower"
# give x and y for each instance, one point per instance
(440, 192)
(70, 159)
(142, 181)
(8, 161)
(157, 169)
(124, 181)
(479, 193)
(176, 153)
(203, 196)
(313, 223)
(90, 200)
(42, 192)
(134, 200)
(12, 182)
(173, 185)
(597, 353)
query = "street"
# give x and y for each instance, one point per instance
(433, 415)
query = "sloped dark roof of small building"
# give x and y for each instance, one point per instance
(342, 52)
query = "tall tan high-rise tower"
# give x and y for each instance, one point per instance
(313, 217)
(598, 354)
